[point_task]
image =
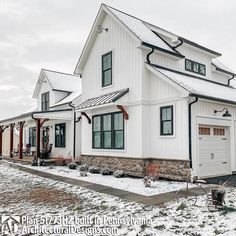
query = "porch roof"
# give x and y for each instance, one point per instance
(203, 88)
(104, 99)
(62, 114)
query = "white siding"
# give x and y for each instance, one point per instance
(126, 63)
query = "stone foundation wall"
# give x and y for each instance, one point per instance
(168, 168)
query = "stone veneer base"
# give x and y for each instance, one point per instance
(168, 168)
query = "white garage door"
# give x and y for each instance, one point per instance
(213, 151)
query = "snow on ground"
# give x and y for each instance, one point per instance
(134, 185)
(28, 195)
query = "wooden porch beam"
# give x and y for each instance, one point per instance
(21, 126)
(126, 115)
(12, 125)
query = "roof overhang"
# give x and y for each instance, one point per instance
(63, 114)
(103, 100)
(16, 119)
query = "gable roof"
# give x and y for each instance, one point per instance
(58, 81)
(70, 98)
(145, 33)
(197, 87)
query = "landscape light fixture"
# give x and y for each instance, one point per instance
(226, 114)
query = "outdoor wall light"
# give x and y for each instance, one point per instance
(226, 114)
(100, 29)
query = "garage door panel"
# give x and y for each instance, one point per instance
(213, 154)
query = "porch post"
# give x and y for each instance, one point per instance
(12, 125)
(38, 130)
(1, 131)
(21, 125)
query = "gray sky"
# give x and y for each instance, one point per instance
(50, 34)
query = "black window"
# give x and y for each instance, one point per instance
(108, 131)
(45, 101)
(195, 67)
(60, 135)
(32, 136)
(107, 69)
(166, 118)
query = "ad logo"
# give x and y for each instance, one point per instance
(9, 224)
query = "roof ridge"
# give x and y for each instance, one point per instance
(59, 72)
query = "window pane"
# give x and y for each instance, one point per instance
(188, 65)
(202, 69)
(107, 61)
(107, 139)
(163, 114)
(96, 123)
(204, 131)
(196, 67)
(107, 122)
(168, 113)
(118, 121)
(106, 77)
(57, 130)
(96, 139)
(119, 139)
(167, 127)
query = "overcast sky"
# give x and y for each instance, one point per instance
(50, 34)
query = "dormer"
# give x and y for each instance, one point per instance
(53, 87)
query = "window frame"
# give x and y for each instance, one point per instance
(56, 146)
(44, 102)
(103, 71)
(113, 131)
(192, 64)
(32, 137)
(172, 120)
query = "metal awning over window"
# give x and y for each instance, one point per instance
(103, 99)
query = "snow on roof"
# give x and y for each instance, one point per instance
(200, 87)
(62, 81)
(139, 28)
(220, 65)
(69, 98)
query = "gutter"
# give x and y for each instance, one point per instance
(162, 50)
(190, 128)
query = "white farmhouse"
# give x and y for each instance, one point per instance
(53, 122)
(154, 97)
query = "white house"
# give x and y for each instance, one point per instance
(154, 97)
(53, 121)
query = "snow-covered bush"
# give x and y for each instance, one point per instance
(83, 173)
(119, 174)
(106, 172)
(84, 167)
(94, 170)
(72, 166)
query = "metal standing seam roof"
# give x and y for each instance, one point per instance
(103, 99)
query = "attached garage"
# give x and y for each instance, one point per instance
(213, 150)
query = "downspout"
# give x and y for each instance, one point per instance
(190, 129)
(230, 80)
(74, 128)
(148, 55)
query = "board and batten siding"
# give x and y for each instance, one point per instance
(126, 63)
